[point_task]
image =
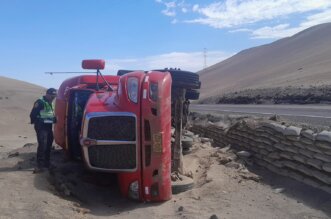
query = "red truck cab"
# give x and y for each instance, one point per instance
(119, 124)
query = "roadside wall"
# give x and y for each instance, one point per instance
(286, 150)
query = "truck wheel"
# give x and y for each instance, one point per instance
(183, 79)
(187, 151)
(182, 185)
(123, 72)
(192, 94)
(187, 142)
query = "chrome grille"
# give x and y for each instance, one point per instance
(121, 156)
(115, 128)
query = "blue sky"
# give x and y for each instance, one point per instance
(38, 36)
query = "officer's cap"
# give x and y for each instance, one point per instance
(51, 91)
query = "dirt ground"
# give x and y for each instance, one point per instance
(225, 187)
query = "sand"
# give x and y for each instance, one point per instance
(227, 191)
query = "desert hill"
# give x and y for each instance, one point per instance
(302, 60)
(16, 101)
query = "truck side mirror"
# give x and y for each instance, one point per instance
(96, 64)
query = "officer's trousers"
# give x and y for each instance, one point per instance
(45, 141)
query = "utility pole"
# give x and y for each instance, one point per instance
(204, 58)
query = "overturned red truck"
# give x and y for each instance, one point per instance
(122, 124)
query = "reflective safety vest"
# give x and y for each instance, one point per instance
(47, 114)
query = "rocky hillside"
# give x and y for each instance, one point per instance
(300, 61)
(278, 95)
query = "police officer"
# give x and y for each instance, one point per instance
(42, 116)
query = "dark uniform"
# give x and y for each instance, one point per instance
(42, 116)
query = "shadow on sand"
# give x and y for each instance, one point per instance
(293, 189)
(94, 193)
(97, 192)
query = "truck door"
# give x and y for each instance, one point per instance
(75, 110)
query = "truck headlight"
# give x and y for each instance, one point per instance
(134, 190)
(153, 91)
(133, 89)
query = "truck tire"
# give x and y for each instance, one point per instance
(123, 72)
(187, 151)
(187, 142)
(182, 185)
(183, 79)
(192, 94)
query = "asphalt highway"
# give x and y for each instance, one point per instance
(319, 115)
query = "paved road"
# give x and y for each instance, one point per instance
(310, 114)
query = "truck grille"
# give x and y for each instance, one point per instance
(113, 156)
(116, 128)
